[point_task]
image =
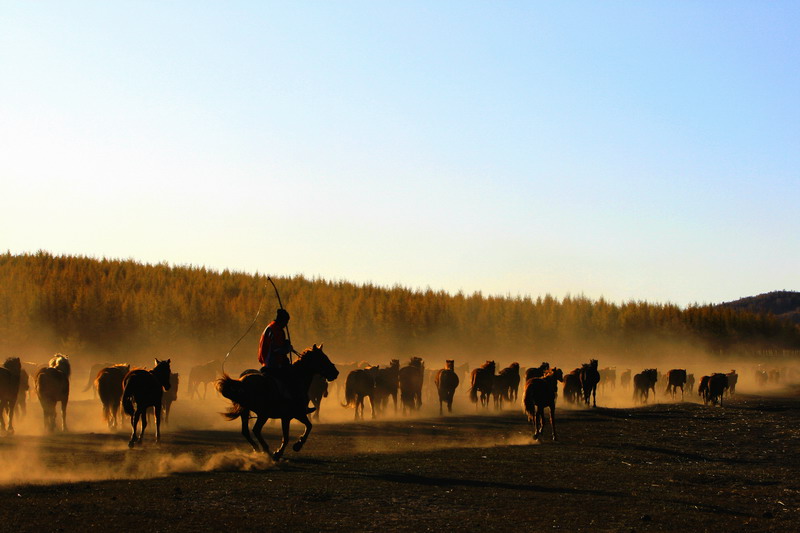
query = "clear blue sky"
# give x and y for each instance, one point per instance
(625, 150)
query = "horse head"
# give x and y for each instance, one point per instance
(13, 364)
(162, 372)
(450, 364)
(557, 374)
(319, 362)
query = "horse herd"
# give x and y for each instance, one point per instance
(488, 386)
(138, 390)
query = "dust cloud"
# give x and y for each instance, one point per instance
(90, 451)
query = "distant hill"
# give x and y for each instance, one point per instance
(783, 304)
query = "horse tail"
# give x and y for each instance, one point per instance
(349, 394)
(232, 389)
(473, 394)
(127, 401)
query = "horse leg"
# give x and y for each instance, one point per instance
(11, 406)
(372, 405)
(285, 432)
(553, 419)
(594, 397)
(157, 413)
(297, 446)
(260, 421)
(134, 422)
(63, 415)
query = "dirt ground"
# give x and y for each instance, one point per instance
(661, 467)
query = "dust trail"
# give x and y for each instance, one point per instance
(33, 465)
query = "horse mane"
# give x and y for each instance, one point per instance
(60, 362)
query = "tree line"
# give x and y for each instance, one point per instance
(123, 308)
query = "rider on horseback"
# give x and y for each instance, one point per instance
(273, 354)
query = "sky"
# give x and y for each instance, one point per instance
(631, 151)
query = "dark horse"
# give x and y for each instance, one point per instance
(317, 390)
(446, 382)
(359, 385)
(643, 382)
(9, 391)
(263, 395)
(590, 377)
(540, 393)
(144, 389)
(52, 386)
(387, 381)
(676, 378)
(108, 385)
(411, 378)
(481, 383)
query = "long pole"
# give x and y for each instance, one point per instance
(288, 335)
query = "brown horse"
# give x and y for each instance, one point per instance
(446, 381)
(411, 378)
(676, 378)
(317, 390)
(572, 386)
(540, 393)
(263, 395)
(387, 382)
(702, 390)
(590, 377)
(170, 395)
(360, 385)
(108, 385)
(643, 383)
(143, 389)
(717, 385)
(506, 385)
(9, 392)
(481, 384)
(203, 375)
(52, 386)
(537, 372)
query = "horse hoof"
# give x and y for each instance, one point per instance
(297, 446)
(276, 456)
(131, 444)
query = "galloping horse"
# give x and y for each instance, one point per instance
(108, 385)
(446, 382)
(675, 378)
(411, 378)
(540, 393)
(144, 389)
(360, 384)
(52, 386)
(590, 377)
(481, 383)
(643, 382)
(205, 374)
(262, 395)
(9, 391)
